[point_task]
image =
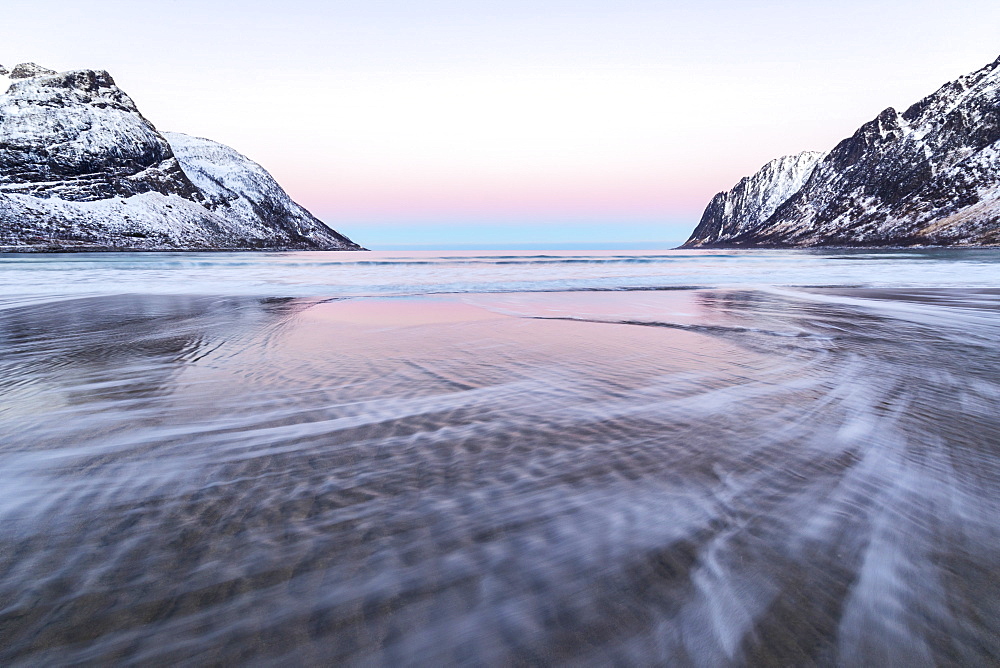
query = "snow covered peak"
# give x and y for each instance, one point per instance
(952, 94)
(26, 70)
(95, 88)
(77, 136)
(81, 168)
(929, 175)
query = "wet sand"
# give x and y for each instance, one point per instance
(686, 477)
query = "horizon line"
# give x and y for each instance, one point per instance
(555, 246)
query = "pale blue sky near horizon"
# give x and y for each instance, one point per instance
(457, 123)
(496, 235)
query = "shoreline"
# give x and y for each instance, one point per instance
(54, 249)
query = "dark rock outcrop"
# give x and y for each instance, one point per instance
(927, 176)
(25, 70)
(82, 169)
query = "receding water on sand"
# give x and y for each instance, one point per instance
(708, 477)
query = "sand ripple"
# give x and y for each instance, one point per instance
(685, 478)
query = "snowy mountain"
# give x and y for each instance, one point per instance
(754, 199)
(82, 169)
(927, 176)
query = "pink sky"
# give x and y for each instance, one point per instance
(456, 121)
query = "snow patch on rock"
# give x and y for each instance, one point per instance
(243, 191)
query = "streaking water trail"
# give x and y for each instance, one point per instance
(32, 278)
(687, 477)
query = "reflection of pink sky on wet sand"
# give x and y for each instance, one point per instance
(675, 306)
(398, 312)
(514, 332)
(683, 307)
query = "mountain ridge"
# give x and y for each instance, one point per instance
(929, 176)
(82, 169)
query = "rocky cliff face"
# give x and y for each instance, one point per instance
(82, 169)
(754, 199)
(927, 176)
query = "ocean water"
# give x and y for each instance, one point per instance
(31, 277)
(501, 458)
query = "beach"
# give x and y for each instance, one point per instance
(704, 476)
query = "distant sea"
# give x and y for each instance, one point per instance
(497, 457)
(51, 277)
(535, 246)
